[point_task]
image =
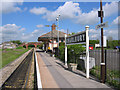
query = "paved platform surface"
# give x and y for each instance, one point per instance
(53, 71)
(46, 78)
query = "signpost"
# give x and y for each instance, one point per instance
(79, 38)
(102, 25)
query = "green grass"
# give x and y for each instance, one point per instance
(9, 55)
(19, 47)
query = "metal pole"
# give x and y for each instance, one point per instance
(58, 31)
(58, 34)
(102, 49)
(87, 52)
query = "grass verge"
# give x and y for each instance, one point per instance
(9, 55)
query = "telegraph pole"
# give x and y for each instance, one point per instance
(102, 49)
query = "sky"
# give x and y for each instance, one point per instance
(26, 21)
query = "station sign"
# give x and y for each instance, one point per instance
(76, 38)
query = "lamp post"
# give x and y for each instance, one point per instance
(57, 19)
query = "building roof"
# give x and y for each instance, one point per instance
(52, 34)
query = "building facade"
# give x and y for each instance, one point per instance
(8, 45)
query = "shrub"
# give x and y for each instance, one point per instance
(74, 52)
(62, 53)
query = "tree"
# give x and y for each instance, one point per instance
(17, 41)
(72, 33)
(110, 38)
(93, 42)
(112, 43)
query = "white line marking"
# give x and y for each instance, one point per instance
(39, 83)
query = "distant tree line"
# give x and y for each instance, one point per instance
(113, 43)
(110, 43)
(17, 42)
(93, 42)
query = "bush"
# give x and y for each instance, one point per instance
(40, 46)
(112, 76)
(74, 52)
(62, 44)
(24, 46)
(62, 53)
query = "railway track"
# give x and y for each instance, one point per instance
(19, 77)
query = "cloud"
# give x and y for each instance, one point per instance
(72, 11)
(110, 9)
(23, 29)
(69, 7)
(8, 6)
(39, 25)
(39, 11)
(116, 21)
(96, 34)
(13, 32)
(88, 18)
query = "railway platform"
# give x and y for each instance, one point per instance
(54, 74)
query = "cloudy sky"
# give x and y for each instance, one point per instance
(26, 21)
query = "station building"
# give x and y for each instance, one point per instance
(50, 39)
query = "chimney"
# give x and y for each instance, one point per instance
(53, 27)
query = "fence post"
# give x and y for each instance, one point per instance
(65, 51)
(87, 52)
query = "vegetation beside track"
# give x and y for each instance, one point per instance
(9, 55)
(113, 76)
